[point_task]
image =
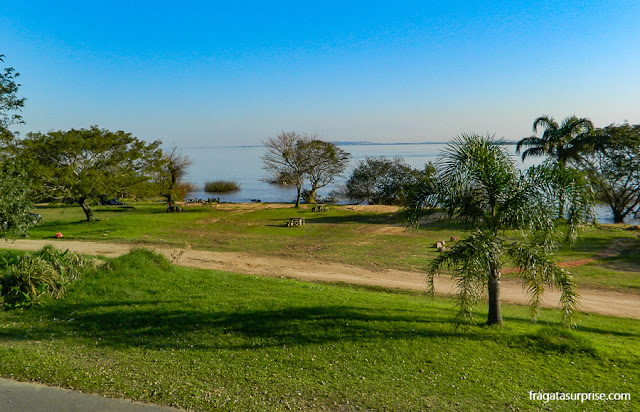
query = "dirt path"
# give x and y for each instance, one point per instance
(604, 302)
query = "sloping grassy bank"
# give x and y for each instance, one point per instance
(363, 238)
(141, 328)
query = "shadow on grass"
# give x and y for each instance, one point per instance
(373, 218)
(149, 324)
(160, 325)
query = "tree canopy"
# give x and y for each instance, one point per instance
(561, 142)
(15, 190)
(10, 103)
(326, 162)
(379, 180)
(83, 165)
(15, 201)
(291, 158)
(479, 184)
(614, 169)
(174, 167)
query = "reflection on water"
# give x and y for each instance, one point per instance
(243, 165)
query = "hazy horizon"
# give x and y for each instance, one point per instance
(217, 73)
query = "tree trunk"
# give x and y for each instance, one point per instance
(172, 185)
(561, 206)
(312, 195)
(495, 313)
(299, 187)
(87, 209)
(618, 217)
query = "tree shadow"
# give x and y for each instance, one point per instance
(158, 325)
(373, 218)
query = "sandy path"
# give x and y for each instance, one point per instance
(604, 302)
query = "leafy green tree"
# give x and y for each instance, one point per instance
(378, 180)
(83, 165)
(15, 190)
(614, 169)
(15, 201)
(10, 103)
(561, 142)
(326, 161)
(479, 184)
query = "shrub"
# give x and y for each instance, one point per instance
(29, 277)
(221, 186)
(181, 190)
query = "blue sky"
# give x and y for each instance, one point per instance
(216, 73)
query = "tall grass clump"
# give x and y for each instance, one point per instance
(221, 186)
(29, 277)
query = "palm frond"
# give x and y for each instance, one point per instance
(470, 261)
(538, 271)
(544, 121)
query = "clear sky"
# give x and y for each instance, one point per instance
(236, 72)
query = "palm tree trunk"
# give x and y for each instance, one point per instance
(495, 312)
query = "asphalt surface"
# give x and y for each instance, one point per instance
(33, 397)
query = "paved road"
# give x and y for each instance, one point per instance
(34, 397)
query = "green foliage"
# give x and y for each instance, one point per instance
(614, 169)
(9, 100)
(86, 164)
(30, 277)
(326, 162)
(381, 181)
(479, 184)
(221, 186)
(561, 142)
(15, 201)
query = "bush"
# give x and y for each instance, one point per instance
(221, 186)
(44, 273)
(181, 190)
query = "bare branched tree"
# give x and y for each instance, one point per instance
(287, 159)
(175, 167)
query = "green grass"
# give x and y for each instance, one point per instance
(199, 339)
(359, 238)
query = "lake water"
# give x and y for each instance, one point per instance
(242, 164)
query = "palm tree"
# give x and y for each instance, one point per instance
(562, 142)
(479, 183)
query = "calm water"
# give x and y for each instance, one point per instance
(243, 165)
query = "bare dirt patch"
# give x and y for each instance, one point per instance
(372, 208)
(605, 302)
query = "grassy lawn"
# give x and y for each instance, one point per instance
(361, 238)
(199, 339)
